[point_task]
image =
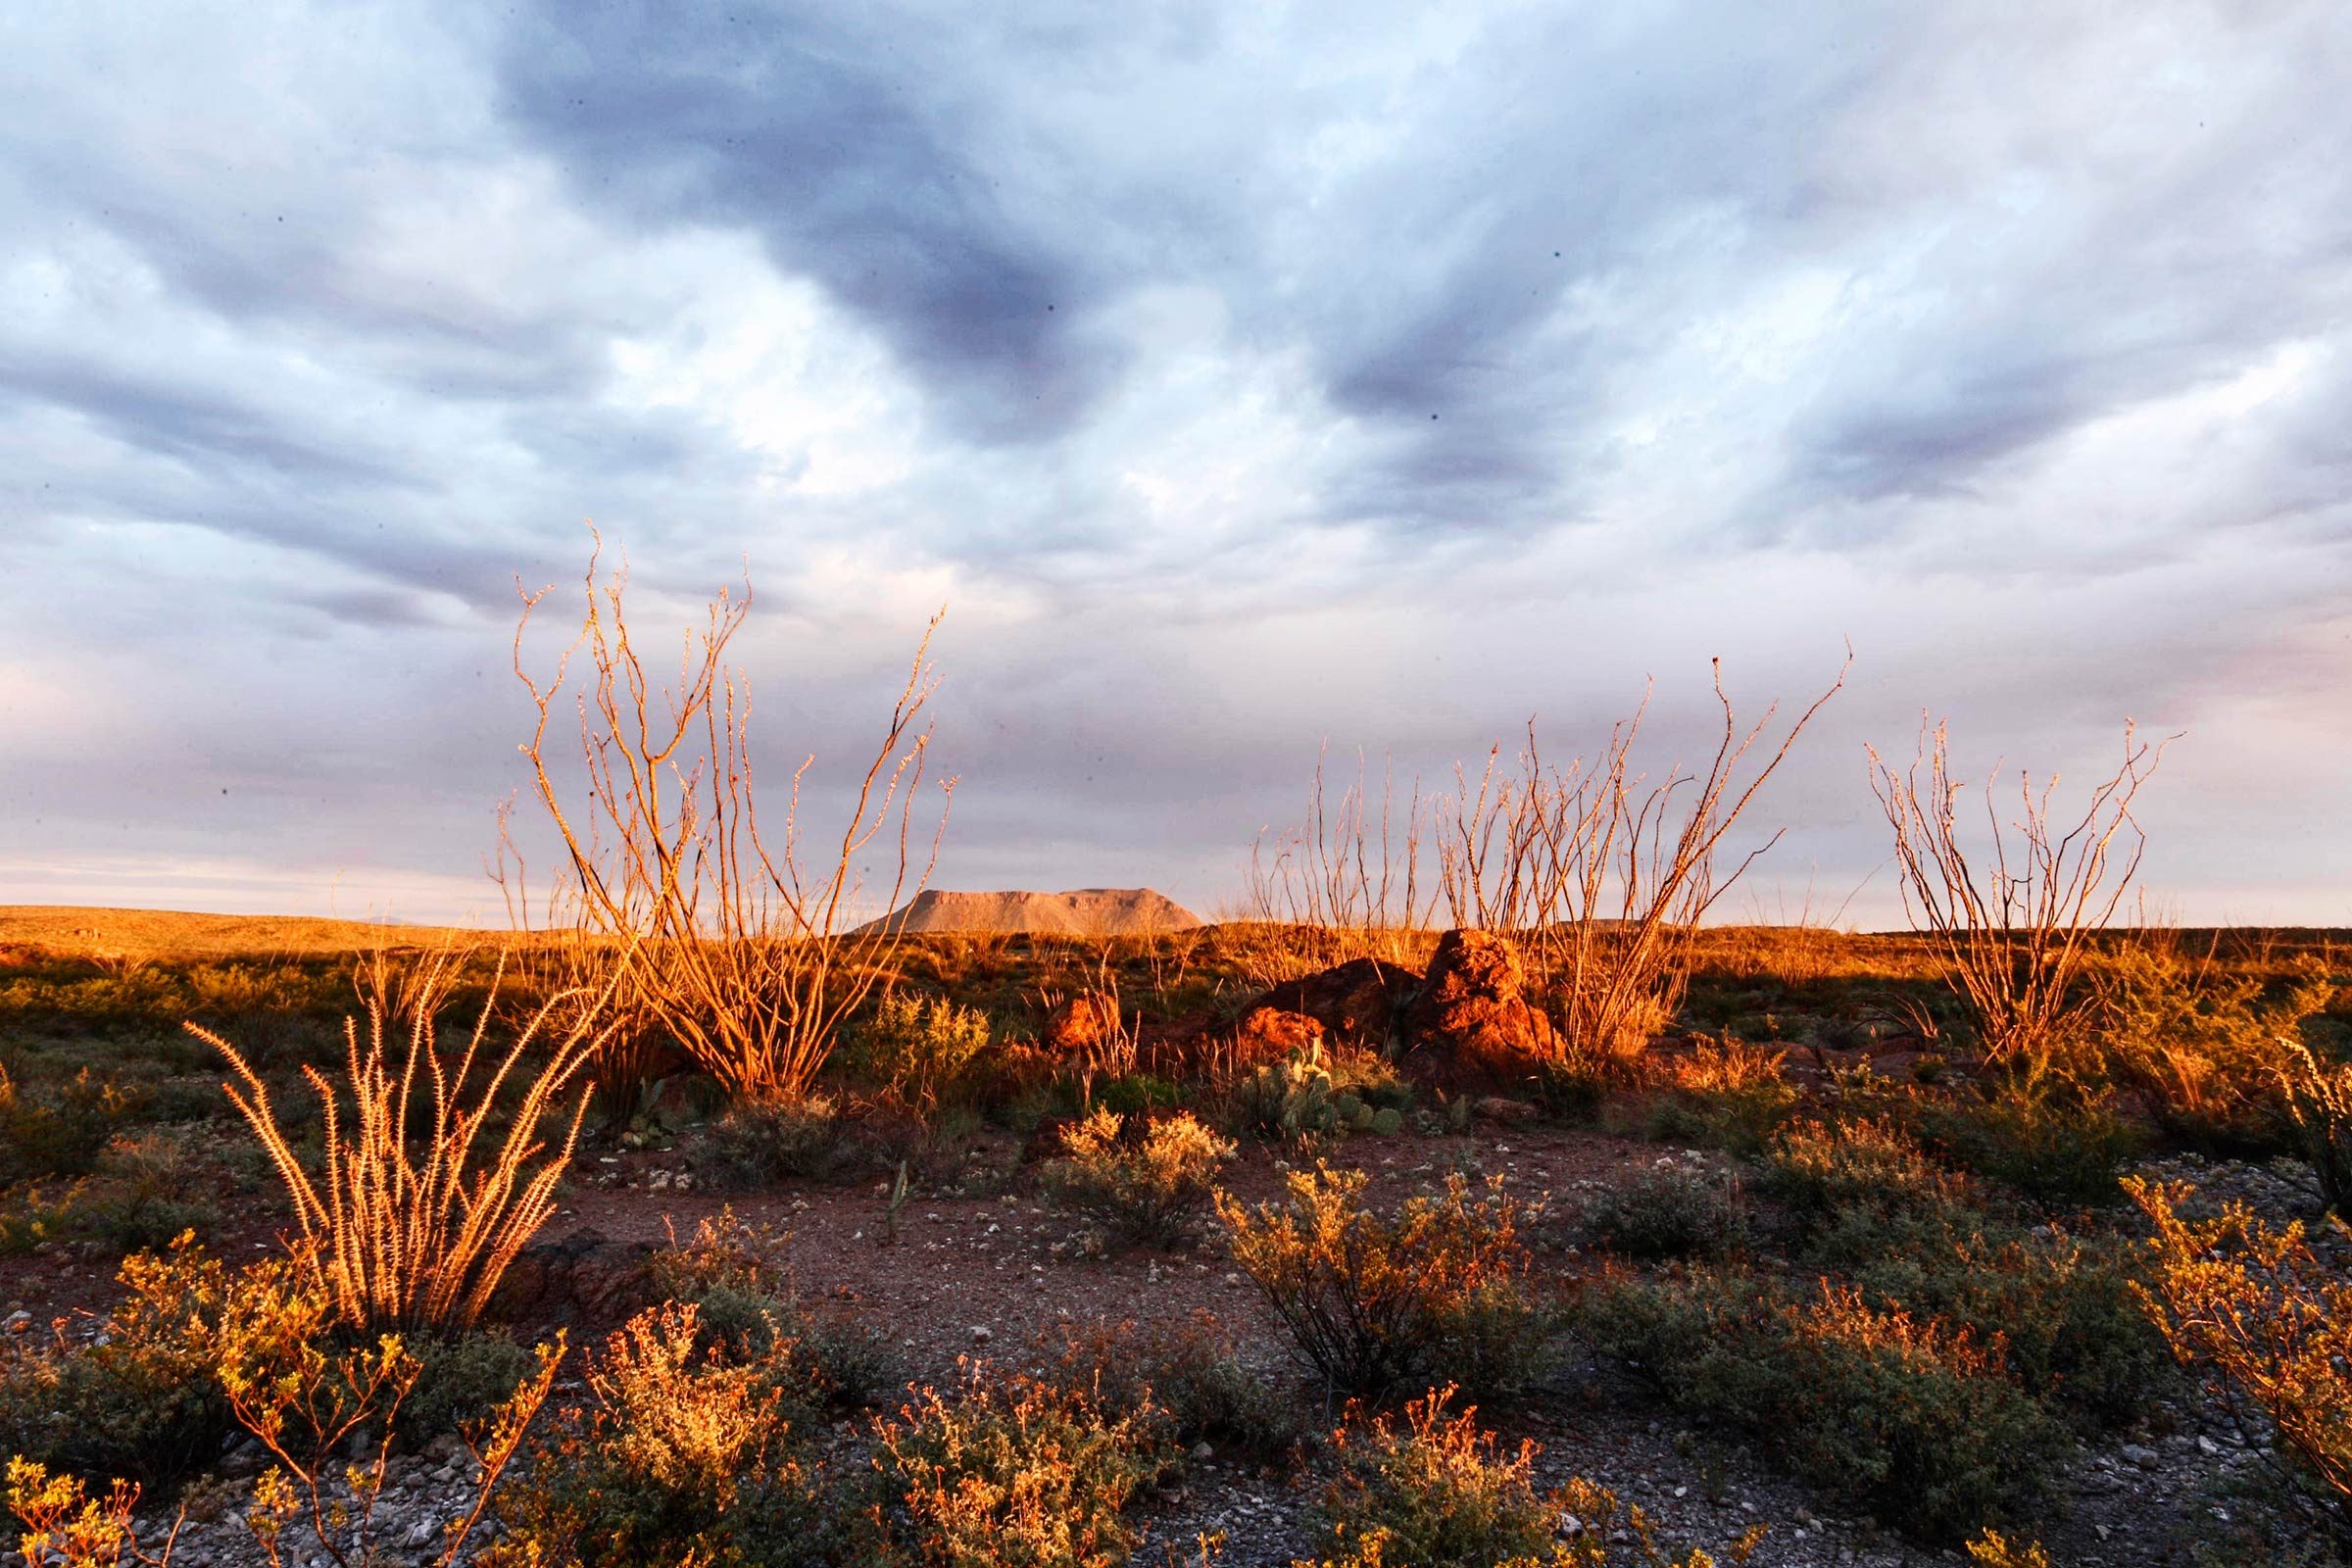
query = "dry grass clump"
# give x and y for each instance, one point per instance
(1147, 1178)
(1825, 1169)
(419, 1238)
(2200, 1044)
(1437, 1290)
(2015, 934)
(2271, 1326)
(2318, 1095)
(1993, 1549)
(1441, 1494)
(1013, 1470)
(1722, 1092)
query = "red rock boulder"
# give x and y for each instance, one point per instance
(1082, 1024)
(1471, 1025)
(1267, 1033)
(1355, 1002)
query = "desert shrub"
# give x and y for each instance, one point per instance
(1189, 1371)
(1919, 1238)
(1013, 1470)
(848, 1364)
(1669, 1211)
(2052, 1142)
(1146, 1179)
(150, 1193)
(62, 1131)
(32, 1214)
(1722, 1095)
(915, 1048)
(2318, 1095)
(1912, 1416)
(1437, 1291)
(1137, 1092)
(2063, 1308)
(413, 1242)
(735, 1275)
(1993, 1549)
(683, 1456)
(304, 1393)
(2203, 1047)
(141, 1402)
(63, 1527)
(83, 996)
(756, 1143)
(1440, 1494)
(723, 1252)
(461, 1378)
(2269, 1326)
(1821, 1170)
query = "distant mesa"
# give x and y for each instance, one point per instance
(1080, 912)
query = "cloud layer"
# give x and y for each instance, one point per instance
(1244, 377)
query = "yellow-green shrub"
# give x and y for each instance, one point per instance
(1912, 1416)
(685, 1454)
(2202, 1047)
(1441, 1494)
(141, 1402)
(2269, 1325)
(1146, 1178)
(1013, 1470)
(917, 1049)
(1438, 1289)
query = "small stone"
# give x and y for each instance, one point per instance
(981, 1335)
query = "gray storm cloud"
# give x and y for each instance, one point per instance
(1243, 378)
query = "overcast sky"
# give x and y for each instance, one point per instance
(1242, 378)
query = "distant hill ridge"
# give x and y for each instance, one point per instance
(1079, 912)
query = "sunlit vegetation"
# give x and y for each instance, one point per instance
(1039, 1247)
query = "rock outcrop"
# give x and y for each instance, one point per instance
(1355, 1002)
(1267, 1033)
(1081, 1023)
(1078, 912)
(1471, 1025)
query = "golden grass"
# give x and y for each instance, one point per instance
(162, 934)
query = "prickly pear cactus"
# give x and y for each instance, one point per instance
(1388, 1121)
